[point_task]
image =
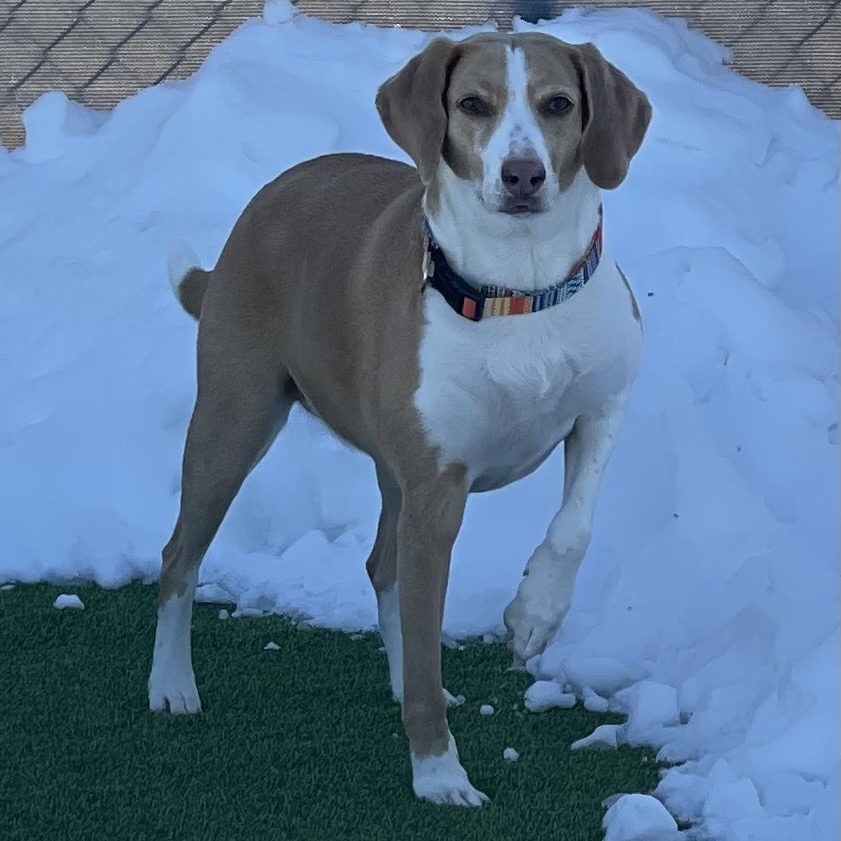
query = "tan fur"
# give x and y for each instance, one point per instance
(480, 71)
(346, 340)
(603, 131)
(635, 310)
(191, 291)
(616, 118)
(316, 299)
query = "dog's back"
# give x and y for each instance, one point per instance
(333, 199)
(341, 226)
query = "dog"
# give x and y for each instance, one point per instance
(455, 320)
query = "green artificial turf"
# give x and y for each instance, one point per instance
(300, 743)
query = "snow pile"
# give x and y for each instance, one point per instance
(708, 607)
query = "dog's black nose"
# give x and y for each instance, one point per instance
(523, 177)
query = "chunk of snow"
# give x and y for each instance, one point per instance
(602, 675)
(223, 614)
(271, 646)
(7, 587)
(647, 704)
(276, 12)
(543, 695)
(486, 709)
(68, 600)
(602, 738)
(638, 817)
(594, 702)
(510, 754)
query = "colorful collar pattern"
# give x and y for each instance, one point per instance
(478, 302)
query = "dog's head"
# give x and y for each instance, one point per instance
(515, 117)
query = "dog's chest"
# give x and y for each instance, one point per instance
(499, 395)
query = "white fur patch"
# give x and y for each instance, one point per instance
(526, 252)
(517, 134)
(388, 616)
(182, 257)
(545, 594)
(441, 779)
(522, 380)
(172, 684)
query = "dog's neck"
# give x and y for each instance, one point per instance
(523, 252)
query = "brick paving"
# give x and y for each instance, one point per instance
(100, 51)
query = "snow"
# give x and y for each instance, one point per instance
(638, 817)
(68, 601)
(511, 754)
(604, 737)
(543, 695)
(594, 702)
(707, 609)
(271, 646)
(486, 709)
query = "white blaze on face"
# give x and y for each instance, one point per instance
(517, 133)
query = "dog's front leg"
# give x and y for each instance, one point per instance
(430, 518)
(545, 593)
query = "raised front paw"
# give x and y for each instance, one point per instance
(533, 617)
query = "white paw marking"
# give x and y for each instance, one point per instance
(441, 779)
(172, 684)
(173, 692)
(535, 614)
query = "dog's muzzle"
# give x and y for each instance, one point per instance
(522, 179)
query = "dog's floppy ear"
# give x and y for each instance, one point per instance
(411, 105)
(617, 115)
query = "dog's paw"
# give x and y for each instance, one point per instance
(173, 692)
(441, 780)
(454, 793)
(533, 617)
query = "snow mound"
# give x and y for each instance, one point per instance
(707, 609)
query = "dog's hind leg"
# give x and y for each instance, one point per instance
(382, 570)
(242, 404)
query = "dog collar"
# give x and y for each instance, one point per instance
(478, 302)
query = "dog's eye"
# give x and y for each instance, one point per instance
(557, 105)
(474, 106)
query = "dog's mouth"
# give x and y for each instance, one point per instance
(521, 205)
(521, 208)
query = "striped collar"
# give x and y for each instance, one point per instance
(478, 302)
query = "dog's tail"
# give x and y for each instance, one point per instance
(187, 279)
